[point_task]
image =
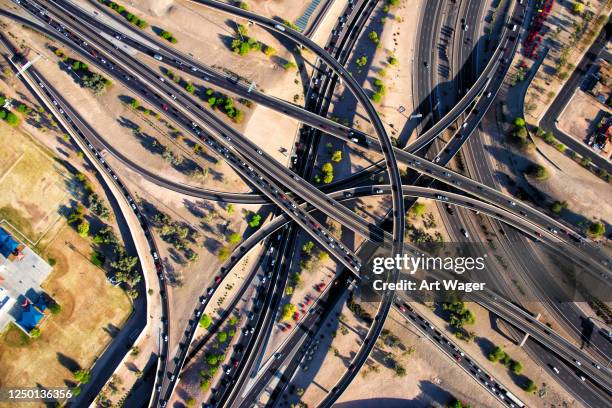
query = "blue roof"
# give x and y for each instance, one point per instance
(7, 244)
(29, 318)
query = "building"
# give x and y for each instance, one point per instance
(22, 271)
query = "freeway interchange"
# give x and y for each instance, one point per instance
(298, 201)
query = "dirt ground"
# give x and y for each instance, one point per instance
(430, 376)
(93, 311)
(400, 23)
(581, 115)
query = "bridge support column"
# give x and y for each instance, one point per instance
(526, 336)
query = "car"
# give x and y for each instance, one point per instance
(437, 159)
(164, 106)
(556, 370)
(512, 203)
(278, 355)
(245, 331)
(577, 362)
(426, 64)
(378, 191)
(348, 194)
(466, 27)
(173, 96)
(162, 79)
(166, 338)
(259, 152)
(217, 279)
(210, 291)
(235, 363)
(465, 233)
(251, 316)
(553, 230)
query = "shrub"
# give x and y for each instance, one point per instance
(496, 355)
(205, 321)
(558, 206)
(539, 172)
(596, 230)
(288, 311)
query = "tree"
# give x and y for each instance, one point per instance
(255, 220)
(392, 60)
(289, 65)
(519, 122)
(205, 384)
(496, 355)
(538, 171)
(517, 367)
(234, 238)
(336, 156)
(83, 228)
(400, 371)
(205, 321)
(558, 206)
(578, 8)
(212, 359)
(373, 36)
(35, 333)
(529, 385)
(596, 230)
(269, 51)
(287, 311)
(307, 247)
(417, 209)
(82, 376)
(361, 61)
(12, 119)
(224, 253)
(222, 337)
(135, 104)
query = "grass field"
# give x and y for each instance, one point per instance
(91, 310)
(33, 185)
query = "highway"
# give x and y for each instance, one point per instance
(501, 199)
(267, 165)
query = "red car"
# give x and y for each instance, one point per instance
(164, 107)
(217, 279)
